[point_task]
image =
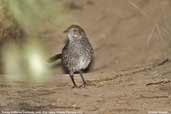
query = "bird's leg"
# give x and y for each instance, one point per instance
(84, 82)
(73, 81)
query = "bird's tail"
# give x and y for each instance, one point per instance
(55, 57)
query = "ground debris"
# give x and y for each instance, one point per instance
(158, 82)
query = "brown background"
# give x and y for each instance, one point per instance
(131, 72)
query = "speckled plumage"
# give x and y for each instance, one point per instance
(77, 54)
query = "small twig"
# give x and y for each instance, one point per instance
(159, 82)
(163, 62)
(146, 67)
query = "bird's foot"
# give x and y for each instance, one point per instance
(75, 86)
(83, 85)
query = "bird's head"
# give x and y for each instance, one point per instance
(75, 32)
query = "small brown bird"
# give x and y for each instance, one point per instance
(77, 54)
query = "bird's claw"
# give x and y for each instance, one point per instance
(75, 86)
(83, 85)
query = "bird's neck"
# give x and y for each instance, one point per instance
(74, 39)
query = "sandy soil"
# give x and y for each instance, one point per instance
(131, 72)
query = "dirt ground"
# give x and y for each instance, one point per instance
(131, 71)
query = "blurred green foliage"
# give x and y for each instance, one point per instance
(35, 14)
(33, 17)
